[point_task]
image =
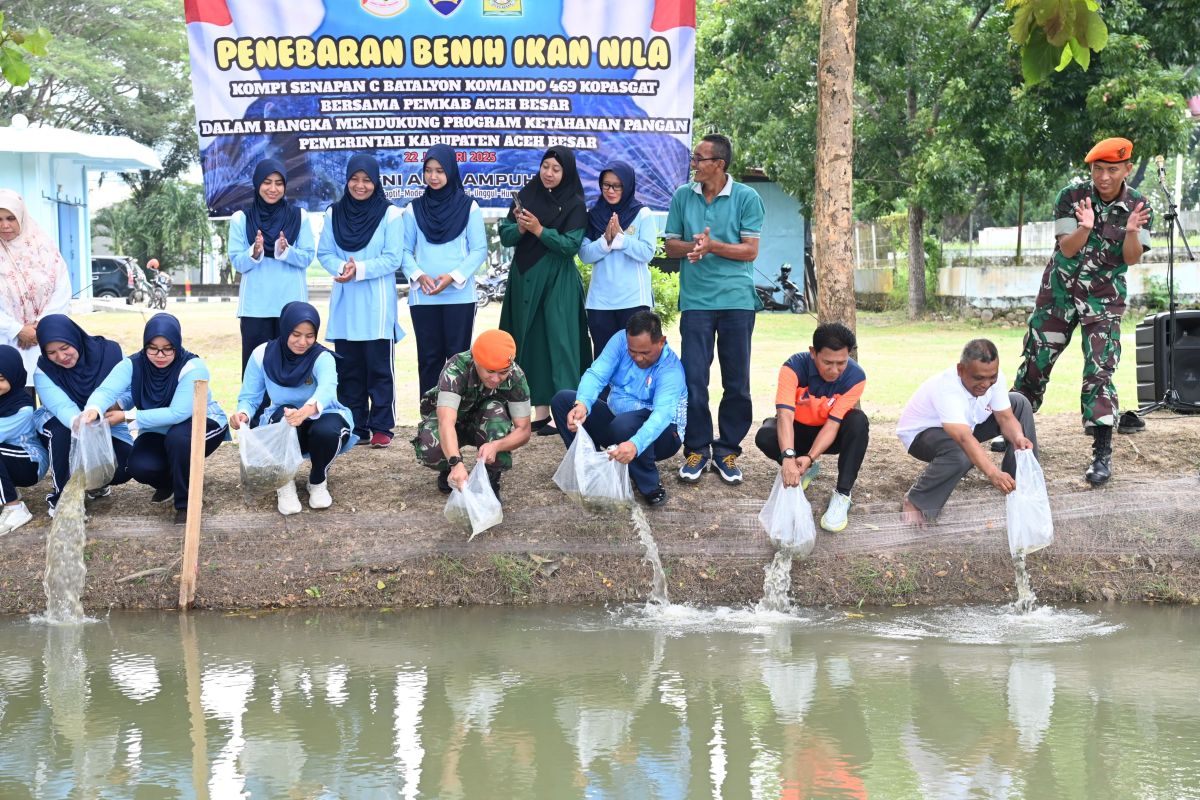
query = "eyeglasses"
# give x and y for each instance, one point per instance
(695, 159)
(151, 350)
(611, 187)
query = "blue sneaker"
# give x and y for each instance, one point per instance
(810, 475)
(728, 469)
(693, 467)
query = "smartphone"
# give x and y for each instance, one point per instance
(517, 207)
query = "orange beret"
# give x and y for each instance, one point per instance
(1114, 150)
(494, 350)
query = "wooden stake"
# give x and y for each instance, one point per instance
(191, 531)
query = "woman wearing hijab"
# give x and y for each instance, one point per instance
(23, 458)
(444, 246)
(158, 382)
(543, 308)
(72, 366)
(362, 247)
(271, 244)
(619, 243)
(33, 278)
(299, 376)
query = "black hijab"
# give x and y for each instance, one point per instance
(627, 207)
(97, 357)
(154, 387)
(355, 221)
(442, 214)
(282, 366)
(271, 218)
(13, 368)
(561, 208)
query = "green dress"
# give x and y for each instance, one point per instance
(543, 310)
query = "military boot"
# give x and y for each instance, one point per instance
(1101, 469)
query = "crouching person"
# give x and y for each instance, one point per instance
(947, 418)
(815, 414)
(481, 400)
(646, 408)
(299, 376)
(23, 458)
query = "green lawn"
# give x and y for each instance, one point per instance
(896, 354)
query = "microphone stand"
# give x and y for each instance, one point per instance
(1171, 400)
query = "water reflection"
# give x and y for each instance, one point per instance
(495, 703)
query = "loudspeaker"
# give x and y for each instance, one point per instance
(1153, 364)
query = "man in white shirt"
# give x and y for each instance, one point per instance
(947, 418)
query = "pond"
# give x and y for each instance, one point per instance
(605, 703)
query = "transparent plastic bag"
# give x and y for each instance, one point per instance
(591, 479)
(474, 507)
(1030, 526)
(788, 519)
(92, 454)
(270, 456)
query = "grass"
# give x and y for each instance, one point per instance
(896, 354)
(516, 576)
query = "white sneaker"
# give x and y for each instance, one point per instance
(13, 517)
(834, 518)
(289, 502)
(318, 495)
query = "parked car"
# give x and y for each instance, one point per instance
(110, 276)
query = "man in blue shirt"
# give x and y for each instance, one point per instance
(646, 409)
(713, 227)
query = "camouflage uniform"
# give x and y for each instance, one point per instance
(484, 415)
(1087, 290)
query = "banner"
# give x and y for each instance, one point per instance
(313, 82)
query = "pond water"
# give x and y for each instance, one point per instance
(554, 703)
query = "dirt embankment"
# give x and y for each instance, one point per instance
(385, 542)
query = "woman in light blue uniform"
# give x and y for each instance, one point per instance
(619, 244)
(300, 378)
(444, 246)
(271, 244)
(23, 459)
(158, 380)
(71, 367)
(362, 247)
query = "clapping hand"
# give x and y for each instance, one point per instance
(1138, 218)
(613, 229)
(1085, 214)
(702, 246)
(281, 245)
(257, 250)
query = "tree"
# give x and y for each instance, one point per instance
(16, 46)
(171, 224)
(833, 206)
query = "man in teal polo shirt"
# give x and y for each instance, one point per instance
(713, 226)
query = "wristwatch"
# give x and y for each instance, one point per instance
(789, 453)
(453, 461)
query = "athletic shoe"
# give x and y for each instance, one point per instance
(728, 469)
(444, 481)
(181, 516)
(1130, 422)
(287, 500)
(13, 517)
(363, 440)
(810, 475)
(318, 495)
(547, 430)
(103, 491)
(834, 518)
(162, 495)
(999, 444)
(494, 480)
(693, 467)
(657, 497)
(49, 507)
(379, 440)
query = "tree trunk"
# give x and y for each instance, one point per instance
(833, 220)
(916, 261)
(1020, 221)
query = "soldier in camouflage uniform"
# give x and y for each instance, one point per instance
(1101, 226)
(481, 400)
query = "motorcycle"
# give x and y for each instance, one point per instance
(492, 285)
(781, 294)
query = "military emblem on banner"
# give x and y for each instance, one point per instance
(502, 8)
(384, 8)
(445, 7)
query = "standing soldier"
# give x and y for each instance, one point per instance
(1101, 226)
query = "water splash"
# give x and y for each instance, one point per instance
(1026, 599)
(658, 586)
(65, 570)
(777, 583)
